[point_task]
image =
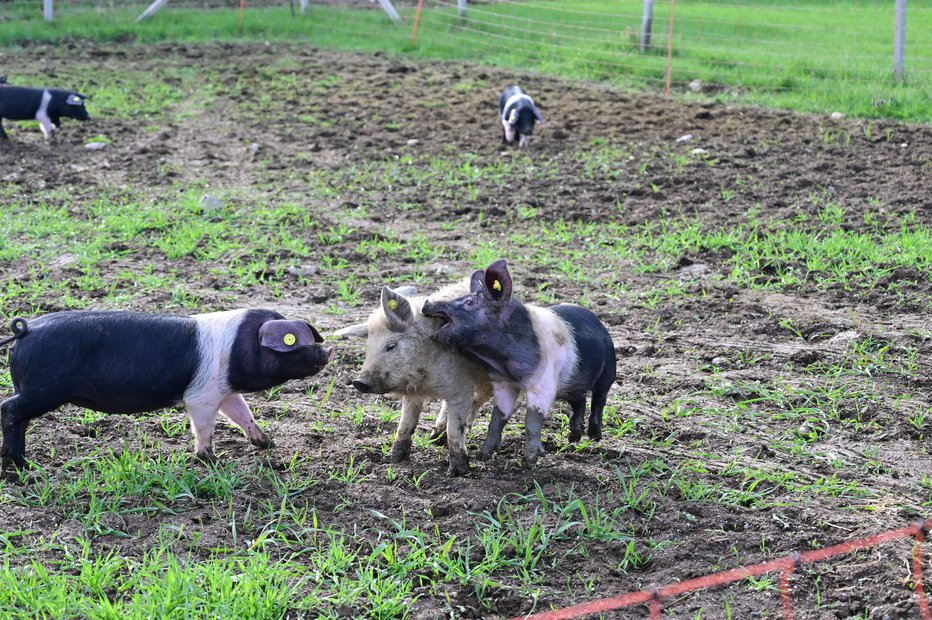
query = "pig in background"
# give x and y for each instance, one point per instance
(402, 359)
(518, 115)
(46, 105)
(130, 362)
(561, 352)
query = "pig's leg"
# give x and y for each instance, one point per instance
(576, 420)
(235, 408)
(458, 410)
(15, 414)
(45, 124)
(203, 416)
(438, 434)
(599, 396)
(410, 414)
(506, 397)
(3, 135)
(539, 400)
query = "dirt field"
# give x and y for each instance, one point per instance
(762, 418)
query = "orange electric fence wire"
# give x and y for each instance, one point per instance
(654, 596)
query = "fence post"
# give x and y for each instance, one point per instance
(303, 6)
(461, 7)
(646, 23)
(47, 10)
(899, 40)
(389, 8)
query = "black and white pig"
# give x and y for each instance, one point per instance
(129, 362)
(518, 114)
(46, 105)
(561, 352)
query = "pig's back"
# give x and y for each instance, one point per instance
(114, 362)
(19, 103)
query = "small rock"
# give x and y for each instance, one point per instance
(413, 141)
(304, 271)
(685, 138)
(254, 148)
(95, 146)
(699, 152)
(210, 203)
(721, 361)
(695, 86)
(843, 339)
(837, 116)
(64, 260)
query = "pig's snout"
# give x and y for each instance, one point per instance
(362, 386)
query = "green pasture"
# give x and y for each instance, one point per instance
(822, 56)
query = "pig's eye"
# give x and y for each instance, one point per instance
(470, 303)
(390, 346)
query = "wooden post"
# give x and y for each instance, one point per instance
(899, 41)
(47, 10)
(303, 6)
(152, 10)
(417, 19)
(461, 7)
(647, 22)
(389, 8)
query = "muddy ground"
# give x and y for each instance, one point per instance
(280, 113)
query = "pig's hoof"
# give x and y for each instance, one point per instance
(400, 451)
(575, 435)
(531, 454)
(438, 438)
(207, 456)
(459, 465)
(263, 442)
(595, 432)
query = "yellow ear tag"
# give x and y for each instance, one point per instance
(289, 339)
(392, 304)
(513, 117)
(497, 285)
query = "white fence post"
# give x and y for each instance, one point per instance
(899, 40)
(152, 10)
(461, 7)
(389, 8)
(646, 23)
(303, 6)
(47, 10)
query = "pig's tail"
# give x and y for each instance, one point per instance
(18, 326)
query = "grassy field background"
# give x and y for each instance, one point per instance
(821, 56)
(767, 284)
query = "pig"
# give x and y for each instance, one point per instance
(560, 352)
(402, 359)
(518, 115)
(130, 362)
(46, 105)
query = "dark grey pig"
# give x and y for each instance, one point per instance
(46, 105)
(561, 352)
(128, 362)
(518, 114)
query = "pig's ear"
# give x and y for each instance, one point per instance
(406, 291)
(283, 336)
(360, 330)
(477, 282)
(397, 309)
(314, 333)
(498, 281)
